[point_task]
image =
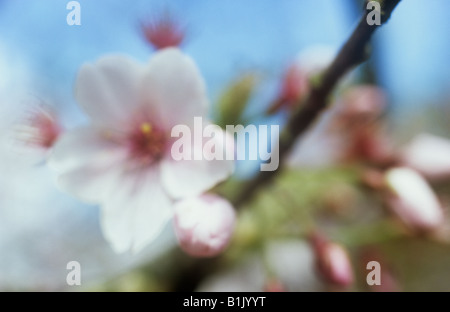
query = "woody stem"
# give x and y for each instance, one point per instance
(353, 53)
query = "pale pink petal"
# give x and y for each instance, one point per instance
(88, 162)
(136, 213)
(109, 89)
(174, 90)
(183, 178)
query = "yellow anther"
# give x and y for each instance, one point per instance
(146, 128)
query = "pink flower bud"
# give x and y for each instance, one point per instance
(332, 261)
(296, 81)
(429, 155)
(164, 32)
(412, 199)
(294, 86)
(204, 224)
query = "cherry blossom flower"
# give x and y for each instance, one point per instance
(429, 155)
(122, 160)
(413, 200)
(204, 224)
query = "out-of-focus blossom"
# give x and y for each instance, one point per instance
(332, 261)
(123, 161)
(164, 32)
(296, 81)
(357, 117)
(37, 131)
(412, 199)
(360, 104)
(204, 224)
(429, 155)
(348, 130)
(371, 144)
(291, 261)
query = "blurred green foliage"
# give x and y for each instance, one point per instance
(234, 99)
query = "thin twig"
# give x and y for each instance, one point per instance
(353, 53)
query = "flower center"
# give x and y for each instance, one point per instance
(146, 143)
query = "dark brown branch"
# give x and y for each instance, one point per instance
(353, 53)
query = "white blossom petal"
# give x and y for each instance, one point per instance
(91, 184)
(173, 89)
(109, 89)
(184, 177)
(81, 146)
(88, 163)
(136, 213)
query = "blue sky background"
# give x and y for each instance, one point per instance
(227, 37)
